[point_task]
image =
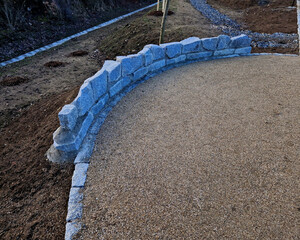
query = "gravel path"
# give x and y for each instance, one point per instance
(232, 28)
(206, 151)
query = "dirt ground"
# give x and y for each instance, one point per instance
(201, 152)
(34, 193)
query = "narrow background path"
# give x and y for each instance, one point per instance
(205, 151)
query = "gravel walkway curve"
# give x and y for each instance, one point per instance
(232, 28)
(206, 151)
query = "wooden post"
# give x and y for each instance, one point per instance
(163, 23)
(157, 5)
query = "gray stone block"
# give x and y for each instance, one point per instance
(113, 69)
(176, 60)
(210, 43)
(130, 63)
(97, 125)
(99, 84)
(240, 41)
(194, 56)
(70, 141)
(157, 65)
(223, 43)
(76, 195)
(84, 99)
(245, 50)
(224, 52)
(157, 51)
(86, 149)
(79, 174)
(119, 86)
(147, 55)
(173, 49)
(72, 228)
(190, 45)
(100, 104)
(68, 116)
(57, 156)
(74, 212)
(140, 73)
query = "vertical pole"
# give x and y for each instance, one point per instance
(157, 5)
(298, 23)
(163, 23)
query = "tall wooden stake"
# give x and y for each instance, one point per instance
(163, 23)
(157, 5)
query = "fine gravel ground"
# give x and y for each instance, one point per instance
(206, 151)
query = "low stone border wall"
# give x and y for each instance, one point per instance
(81, 120)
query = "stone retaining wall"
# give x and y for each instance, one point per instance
(100, 91)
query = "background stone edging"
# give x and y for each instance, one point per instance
(60, 42)
(81, 120)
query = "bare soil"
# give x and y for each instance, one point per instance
(34, 192)
(273, 16)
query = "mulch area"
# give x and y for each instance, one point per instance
(33, 191)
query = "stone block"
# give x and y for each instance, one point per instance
(84, 99)
(74, 211)
(99, 84)
(69, 141)
(240, 41)
(115, 89)
(130, 63)
(72, 228)
(86, 149)
(176, 60)
(190, 45)
(113, 69)
(147, 55)
(79, 174)
(157, 65)
(140, 73)
(223, 42)
(210, 43)
(100, 104)
(172, 49)
(68, 116)
(245, 50)
(76, 195)
(224, 52)
(157, 51)
(195, 56)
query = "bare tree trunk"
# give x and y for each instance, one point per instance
(163, 5)
(163, 23)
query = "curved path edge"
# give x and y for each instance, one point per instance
(60, 42)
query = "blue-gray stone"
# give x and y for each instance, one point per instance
(84, 99)
(176, 60)
(172, 49)
(223, 43)
(157, 65)
(194, 56)
(119, 86)
(99, 84)
(75, 195)
(70, 141)
(74, 211)
(190, 45)
(140, 73)
(240, 41)
(210, 43)
(157, 51)
(113, 69)
(100, 104)
(130, 63)
(223, 52)
(79, 174)
(72, 228)
(68, 116)
(147, 55)
(97, 125)
(86, 149)
(245, 50)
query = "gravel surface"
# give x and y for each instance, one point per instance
(232, 28)
(205, 151)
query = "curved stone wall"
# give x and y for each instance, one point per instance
(101, 92)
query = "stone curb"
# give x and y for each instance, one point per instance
(60, 42)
